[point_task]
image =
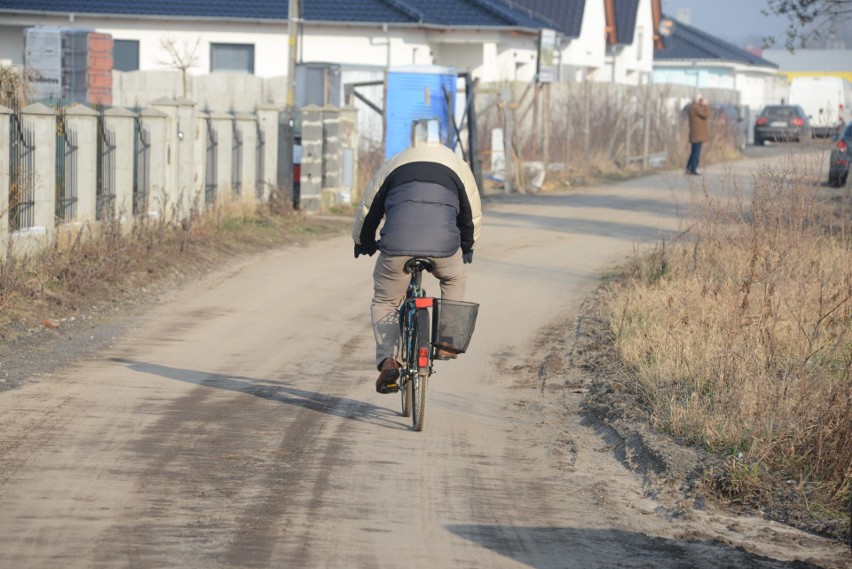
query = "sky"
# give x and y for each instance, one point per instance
(740, 22)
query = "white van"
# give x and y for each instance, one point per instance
(827, 101)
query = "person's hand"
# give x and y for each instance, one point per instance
(368, 249)
(467, 258)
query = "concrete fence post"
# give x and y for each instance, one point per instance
(41, 119)
(121, 122)
(246, 125)
(267, 117)
(223, 124)
(170, 204)
(349, 191)
(155, 122)
(330, 156)
(189, 187)
(312, 154)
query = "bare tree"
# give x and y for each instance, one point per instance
(809, 19)
(182, 56)
(15, 86)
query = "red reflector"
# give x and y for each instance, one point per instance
(762, 120)
(423, 357)
(843, 162)
(798, 122)
(423, 302)
(841, 146)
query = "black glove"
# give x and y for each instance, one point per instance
(366, 249)
(467, 258)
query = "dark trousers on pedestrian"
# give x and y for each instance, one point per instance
(694, 157)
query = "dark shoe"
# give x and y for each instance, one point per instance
(445, 354)
(388, 381)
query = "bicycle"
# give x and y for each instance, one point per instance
(447, 328)
(415, 344)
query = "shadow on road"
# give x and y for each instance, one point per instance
(274, 391)
(551, 547)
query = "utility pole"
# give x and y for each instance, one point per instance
(287, 127)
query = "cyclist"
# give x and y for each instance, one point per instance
(428, 199)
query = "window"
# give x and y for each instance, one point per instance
(232, 57)
(125, 55)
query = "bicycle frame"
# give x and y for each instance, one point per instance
(416, 356)
(415, 344)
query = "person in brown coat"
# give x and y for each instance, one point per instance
(698, 132)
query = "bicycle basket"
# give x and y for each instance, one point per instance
(453, 323)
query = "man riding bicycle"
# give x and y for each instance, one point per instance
(428, 199)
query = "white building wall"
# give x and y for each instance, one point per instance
(633, 64)
(588, 50)
(269, 39)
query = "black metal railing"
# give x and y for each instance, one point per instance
(141, 168)
(21, 175)
(237, 159)
(260, 162)
(66, 170)
(210, 168)
(105, 188)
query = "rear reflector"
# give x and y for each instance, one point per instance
(761, 121)
(842, 146)
(423, 357)
(423, 302)
(798, 122)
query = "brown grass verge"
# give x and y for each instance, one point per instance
(738, 338)
(84, 265)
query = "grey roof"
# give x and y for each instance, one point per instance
(478, 13)
(566, 15)
(626, 14)
(689, 43)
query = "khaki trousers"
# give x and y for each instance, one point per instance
(390, 284)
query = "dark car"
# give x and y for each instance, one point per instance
(838, 165)
(782, 123)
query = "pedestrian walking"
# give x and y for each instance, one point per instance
(698, 132)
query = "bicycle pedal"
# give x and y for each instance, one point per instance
(389, 388)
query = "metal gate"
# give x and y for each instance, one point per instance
(237, 160)
(141, 168)
(66, 170)
(210, 166)
(105, 189)
(21, 175)
(260, 162)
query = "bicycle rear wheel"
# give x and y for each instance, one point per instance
(419, 381)
(418, 386)
(406, 390)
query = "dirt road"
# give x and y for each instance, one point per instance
(237, 425)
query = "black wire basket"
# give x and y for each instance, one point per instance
(453, 322)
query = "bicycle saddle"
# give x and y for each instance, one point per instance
(425, 264)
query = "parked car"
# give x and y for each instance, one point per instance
(782, 123)
(826, 100)
(838, 165)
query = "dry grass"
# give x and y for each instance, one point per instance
(740, 338)
(84, 265)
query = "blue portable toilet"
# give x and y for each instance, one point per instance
(418, 92)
